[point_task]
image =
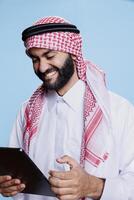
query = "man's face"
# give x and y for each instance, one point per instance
(54, 68)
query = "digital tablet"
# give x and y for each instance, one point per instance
(15, 162)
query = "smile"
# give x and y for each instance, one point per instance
(51, 74)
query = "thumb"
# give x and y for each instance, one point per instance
(68, 160)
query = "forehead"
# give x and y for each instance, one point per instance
(41, 51)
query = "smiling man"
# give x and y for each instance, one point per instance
(73, 128)
(55, 69)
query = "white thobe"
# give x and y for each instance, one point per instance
(60, 133)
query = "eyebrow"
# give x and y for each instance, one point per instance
(43, 54)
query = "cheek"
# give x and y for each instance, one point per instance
(59, 61)
(36, 67)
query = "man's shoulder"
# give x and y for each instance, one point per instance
(22, 107)
(119, 103)
(24, 103)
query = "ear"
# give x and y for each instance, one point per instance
(73, 57)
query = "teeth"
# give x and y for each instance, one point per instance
(49, 75)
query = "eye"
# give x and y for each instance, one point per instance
(50, 55)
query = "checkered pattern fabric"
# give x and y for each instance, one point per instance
(96, 126)
(60, 41)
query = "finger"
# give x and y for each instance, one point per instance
(13, 189)
(68, 160)
(10, 194)
(67, 175)
(62, 191)
(67, 197)
(10, 183)
(5, 178)
(55, 182)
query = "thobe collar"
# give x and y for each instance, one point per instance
(73, 97)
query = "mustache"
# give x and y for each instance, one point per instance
(40, 74)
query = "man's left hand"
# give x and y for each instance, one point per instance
(76, 183)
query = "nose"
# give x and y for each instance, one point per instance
(43, 66)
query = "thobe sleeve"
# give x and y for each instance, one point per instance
(16, 139)
(122, 186)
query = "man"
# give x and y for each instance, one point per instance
(77, 132)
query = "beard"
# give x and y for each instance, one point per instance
(64, 74)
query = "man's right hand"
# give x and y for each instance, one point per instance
(10, 187)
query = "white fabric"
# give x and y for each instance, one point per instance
(60, 129)
(119, 168)
(59, 133)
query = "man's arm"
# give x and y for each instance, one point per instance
(9, 186)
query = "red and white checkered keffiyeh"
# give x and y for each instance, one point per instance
(60, 41)
(93, 149)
